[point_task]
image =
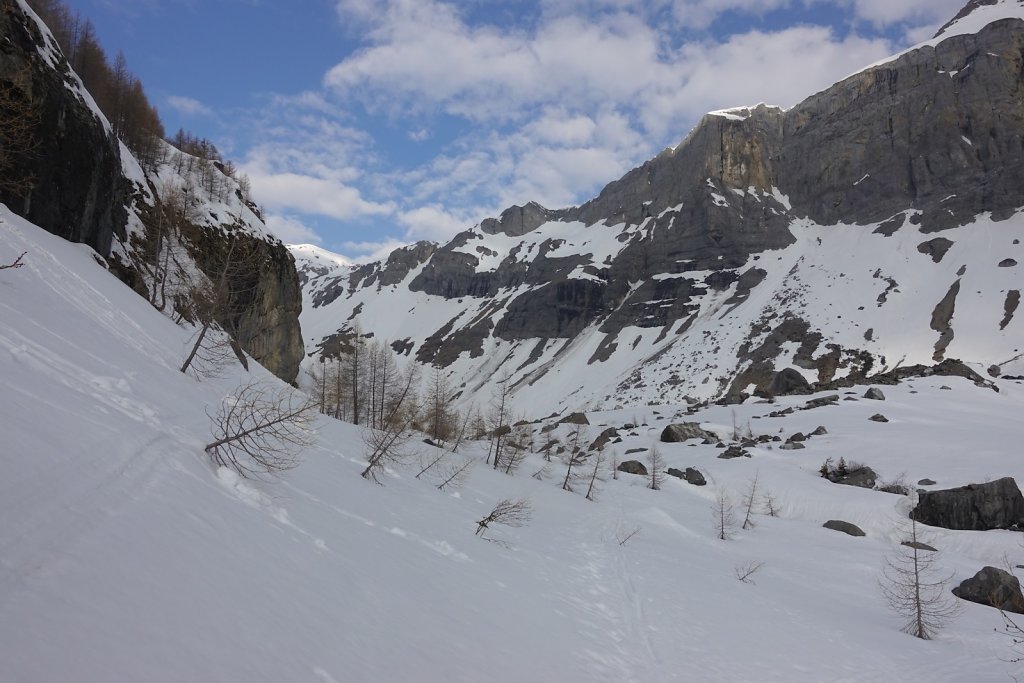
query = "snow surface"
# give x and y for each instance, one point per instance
(124, 556)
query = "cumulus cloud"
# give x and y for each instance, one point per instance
(291, 230)
(188, 106)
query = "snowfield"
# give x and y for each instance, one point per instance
(124, 556)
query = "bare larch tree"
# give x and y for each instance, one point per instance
(261, 429)
(915, 591)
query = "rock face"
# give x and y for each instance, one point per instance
(993, 505)
(676, 433)
(993, 587)
(77, 190)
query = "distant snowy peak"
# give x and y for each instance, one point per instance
(977, 14)
(317, 256)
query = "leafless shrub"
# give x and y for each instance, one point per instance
(624, 537)
(16, 263)
(771, 505)
(745, 572)
(261, 429)
(507, 512)
(455, 474)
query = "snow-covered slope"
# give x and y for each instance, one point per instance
(125, 556)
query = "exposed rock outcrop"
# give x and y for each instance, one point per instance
(675, 433)
(74, 169)
(993, 505)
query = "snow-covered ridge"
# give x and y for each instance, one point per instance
(977, 19)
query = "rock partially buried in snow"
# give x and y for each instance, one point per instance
(875, 394)
(632, 467)
(694, 477)
(676, 433)
(878, 417)
(993, 587)
(575, 419)
(820, 431)
(917, 545)
(993, 505)
(734, 451)
(1007, 263)
(845, 527)
(860, 475)
(926, 482)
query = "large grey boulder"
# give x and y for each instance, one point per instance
(993, 587)
(875, 394)
(859, 475)
(632, 467)
(993, 505)
(675, 433)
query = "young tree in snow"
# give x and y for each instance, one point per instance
(440, 420)
(599, 459)
(915, 591)
(386, 445)
(750, 498)
(261, 429)
(214, 304)
(499, 428)
(507, 512)
(657, 469)
(575, 456)
(722, 516)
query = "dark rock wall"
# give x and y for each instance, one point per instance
(78, 192)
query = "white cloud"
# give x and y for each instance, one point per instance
(367, 252)
(433, 222)
(919, 12)
(313, 195)
(188, 106)
(291, 230)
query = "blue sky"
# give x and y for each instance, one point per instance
(365, 124)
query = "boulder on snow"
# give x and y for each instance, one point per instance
(575, 419)
(603, 439)
(926, 482)
(875, 394)
(993, 505)
(792, 446)
(993, 587)
(845, 527)
(632, 467)
(693, 476)
(734, 451)
(820, 431)
(853, 475)
(676, 433)
(878, 417)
